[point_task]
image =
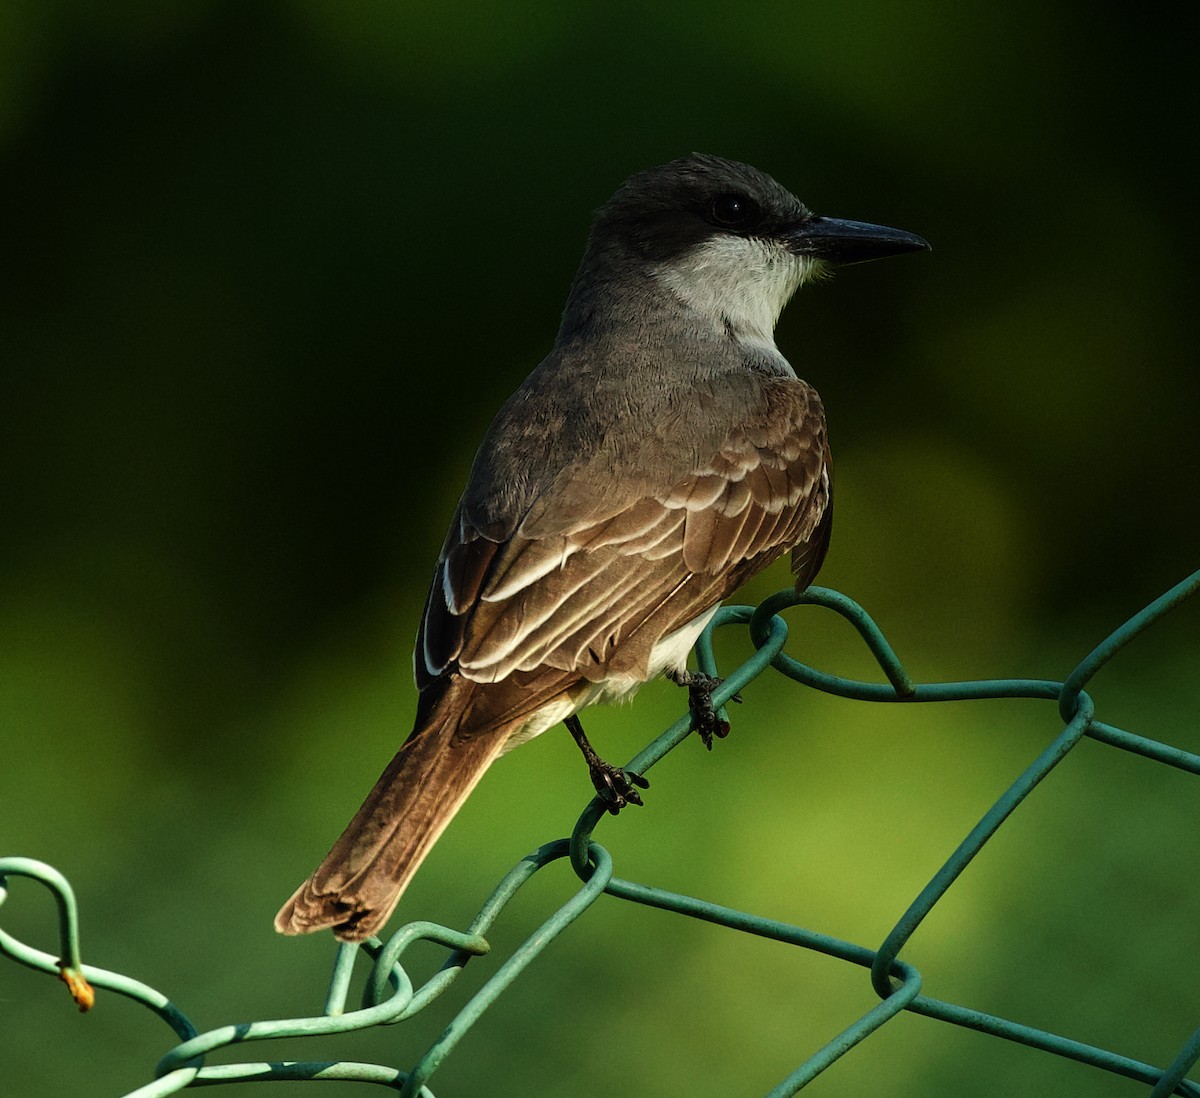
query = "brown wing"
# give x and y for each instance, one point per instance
(587, 590)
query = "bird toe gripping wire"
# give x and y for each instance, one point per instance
(709, 721)
(389, 997)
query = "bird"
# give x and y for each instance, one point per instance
(662, 453)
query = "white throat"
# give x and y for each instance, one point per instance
(740, 284)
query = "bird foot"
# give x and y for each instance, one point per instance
(617, 787)
(705, 720)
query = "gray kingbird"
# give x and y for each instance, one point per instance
(661, 454)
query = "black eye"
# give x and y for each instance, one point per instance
(733, 211)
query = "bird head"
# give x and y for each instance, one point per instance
(727, 240)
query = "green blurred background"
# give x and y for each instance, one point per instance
(268, 270)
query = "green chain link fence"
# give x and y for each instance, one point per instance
(388, 995)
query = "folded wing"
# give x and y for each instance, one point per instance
(588, 589)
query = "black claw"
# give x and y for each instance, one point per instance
(704, 714)
(617, 786)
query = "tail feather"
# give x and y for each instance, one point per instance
(356, 887)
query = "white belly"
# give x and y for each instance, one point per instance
(669, 654)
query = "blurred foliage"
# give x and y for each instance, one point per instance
(269, 269)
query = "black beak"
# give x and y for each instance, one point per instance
(838, 241)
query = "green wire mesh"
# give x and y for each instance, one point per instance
(388, 994)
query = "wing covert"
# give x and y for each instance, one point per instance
(591, 594)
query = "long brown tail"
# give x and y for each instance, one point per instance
(355, 888)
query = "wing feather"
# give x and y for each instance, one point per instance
(592, 590)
